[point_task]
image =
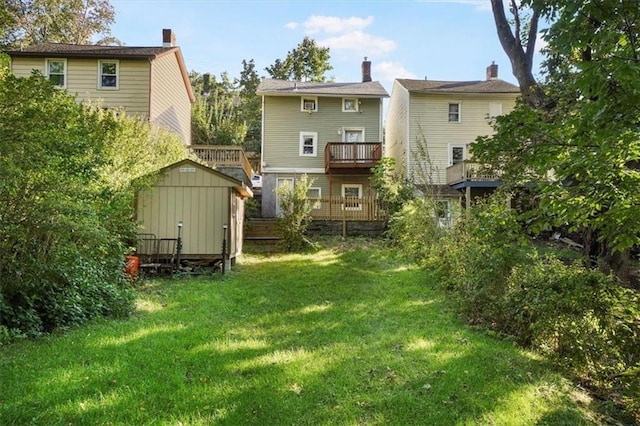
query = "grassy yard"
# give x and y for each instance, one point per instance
(347, 335)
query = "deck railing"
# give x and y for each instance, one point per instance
(468, 171)
(224, 156)
(347, 208)
(356, 155)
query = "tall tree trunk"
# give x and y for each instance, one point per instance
(521, 57)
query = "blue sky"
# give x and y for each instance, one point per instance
(437, 39)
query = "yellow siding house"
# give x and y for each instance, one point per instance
(148, 82)
(431, 124)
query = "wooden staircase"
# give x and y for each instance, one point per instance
(260, 230)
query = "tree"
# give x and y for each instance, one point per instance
(580, 145)
(250, 104)
(519, 43)
(216, 117)
(296, 213)
(67, 189)
(306, 62)
(27, 22)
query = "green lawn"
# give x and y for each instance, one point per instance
(349, 335)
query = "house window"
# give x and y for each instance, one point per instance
(309, 104)
(495, 109)
(353, 134)
(280, 182)
(454, 113)
(314, 195)
(443, 213)
(350, 104)
(308, 144)
(352, 195)
(456, 154)
(57, 71)
(108, 78)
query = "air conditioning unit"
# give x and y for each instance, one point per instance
(309, 106)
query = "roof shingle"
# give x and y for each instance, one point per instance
(89, 51)
(275, 87)
(478, 86)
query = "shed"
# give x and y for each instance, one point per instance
(203, 200)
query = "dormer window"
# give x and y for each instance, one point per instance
(309, 104)
(57, 72)
(350, 104)
(108, 74)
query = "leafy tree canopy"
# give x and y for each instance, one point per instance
(579, 144)
(306, 62)
(27, 22)
(216, 118)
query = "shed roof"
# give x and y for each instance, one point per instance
(273, 87)
(238, 185)
(477, 86)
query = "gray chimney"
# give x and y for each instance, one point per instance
(492, 71)
(168, 38)
(366, 70)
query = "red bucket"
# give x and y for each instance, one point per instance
(132, 265)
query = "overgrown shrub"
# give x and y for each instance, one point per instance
(296, 213)
(580, 318)
(65, 188)
(392, 188)
(481, 254)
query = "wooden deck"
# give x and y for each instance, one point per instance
(351, 158)
(223, 156)
(347, 209)
(477, 173)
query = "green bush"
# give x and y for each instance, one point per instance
(415, 230)
(67, 196)
(296, 214)
(580, 318)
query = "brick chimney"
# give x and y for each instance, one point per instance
(366, 70)
(168, 38)
(492, 71)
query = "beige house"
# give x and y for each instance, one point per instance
(149, 82)
(331, 132)
(431, 124)
(208, 206)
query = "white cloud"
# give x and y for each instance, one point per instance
(480, 5)
(540, 42)
(335, 25)
(346, 35)
(360, 43)
(388, 71)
